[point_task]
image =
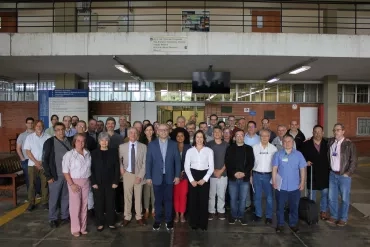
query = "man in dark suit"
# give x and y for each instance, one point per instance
(163, 167)
(315, 151)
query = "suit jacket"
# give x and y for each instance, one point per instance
(105, 174)
(155, 162)
(320, 164)
(140, 158)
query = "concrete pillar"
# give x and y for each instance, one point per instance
(330, 21)
(65, 17)
(66, 81)
(330, 103)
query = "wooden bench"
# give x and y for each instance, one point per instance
(11, 177)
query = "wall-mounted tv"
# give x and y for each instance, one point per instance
(211, 82)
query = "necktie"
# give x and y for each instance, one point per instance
(133, 158)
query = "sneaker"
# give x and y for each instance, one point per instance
(221, 216)
(156, 226)
(331, 221)
(295, 229)
(279, 229)
(257, 218)
(31, 207)
(169, 226)
(268, 221)
(211, 216)
(45, 206)
(341, 223)
(232, 221)
(38, 196)
(243, 221)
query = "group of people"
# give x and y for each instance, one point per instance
(182, 169)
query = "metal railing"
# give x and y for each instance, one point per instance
(187, 16)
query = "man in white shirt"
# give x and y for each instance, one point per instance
(34, 146)
(261, 175)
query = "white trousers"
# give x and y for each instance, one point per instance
(217, 187)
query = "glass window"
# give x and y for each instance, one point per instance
(310, 92)
(19, 87)
(284, 92)
(362, 94)
(133, 86)
(271, 93)
(349, 93)
(340, 93)
(363, 126)
(320, 93)
(30, 87)
(298, 93)
(120, 86)
(232, 95)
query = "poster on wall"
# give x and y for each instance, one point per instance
(63, 102)
(195, 21)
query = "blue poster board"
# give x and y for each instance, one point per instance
(63, 102)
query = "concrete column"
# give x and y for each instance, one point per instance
(65, 17)
(330, 103)
(330, 21)
(66, 81)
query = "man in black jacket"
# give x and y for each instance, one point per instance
(239, 161)
(315, 151)
(53, 151)
(297, 134)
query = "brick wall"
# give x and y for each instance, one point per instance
(13, 116)
(284, 113)
(109, 108)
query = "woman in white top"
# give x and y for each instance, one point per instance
(77, 170)
(199, 166)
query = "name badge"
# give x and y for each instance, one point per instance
(285, 159)
(334, 154)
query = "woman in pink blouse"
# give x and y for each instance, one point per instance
(76, 169)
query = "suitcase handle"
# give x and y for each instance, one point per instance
(305, 193)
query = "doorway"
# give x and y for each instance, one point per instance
(166, 112)
(8, 22)
(308, 117)
(266, 21)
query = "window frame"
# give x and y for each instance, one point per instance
(357, 126)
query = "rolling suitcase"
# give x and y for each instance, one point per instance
(308, 210)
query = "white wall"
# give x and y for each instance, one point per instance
(212, 43)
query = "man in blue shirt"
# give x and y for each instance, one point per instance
(289, 165)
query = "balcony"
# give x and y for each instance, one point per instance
(335, 17)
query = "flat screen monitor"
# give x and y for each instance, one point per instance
(211, 82)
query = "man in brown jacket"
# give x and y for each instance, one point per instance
(343, 162)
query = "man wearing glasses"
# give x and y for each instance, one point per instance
(261, 175)
(343, 162)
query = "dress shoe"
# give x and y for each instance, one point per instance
(100, 228)
(53, 224)
(141, 222)
(146, 215)
(125, 222)
(341, 223)
(65, 221)
(323, 215)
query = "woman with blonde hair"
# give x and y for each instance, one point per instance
(77, 170)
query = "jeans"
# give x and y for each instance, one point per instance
(261, 183)
(292, 197)
(238, 191)
(323, 200)
(218, 187)
(339, 185)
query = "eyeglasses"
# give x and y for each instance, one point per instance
(336, 130)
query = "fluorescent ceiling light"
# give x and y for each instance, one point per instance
(275, 79)
(300, 70)
(122, 68)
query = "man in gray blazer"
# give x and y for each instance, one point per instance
(132, 159)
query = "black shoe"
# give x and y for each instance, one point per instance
(295, 229)
(91, 212)
(53, 224)
(232, 221)
(169, 226)
(243, 221)
(65, 221)
(268, 221)
(156, 226)
(204, 229)
(45, 206)
(248, 209)
(31, 207)
(279, 229)
(194, 228)
(257, 218)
